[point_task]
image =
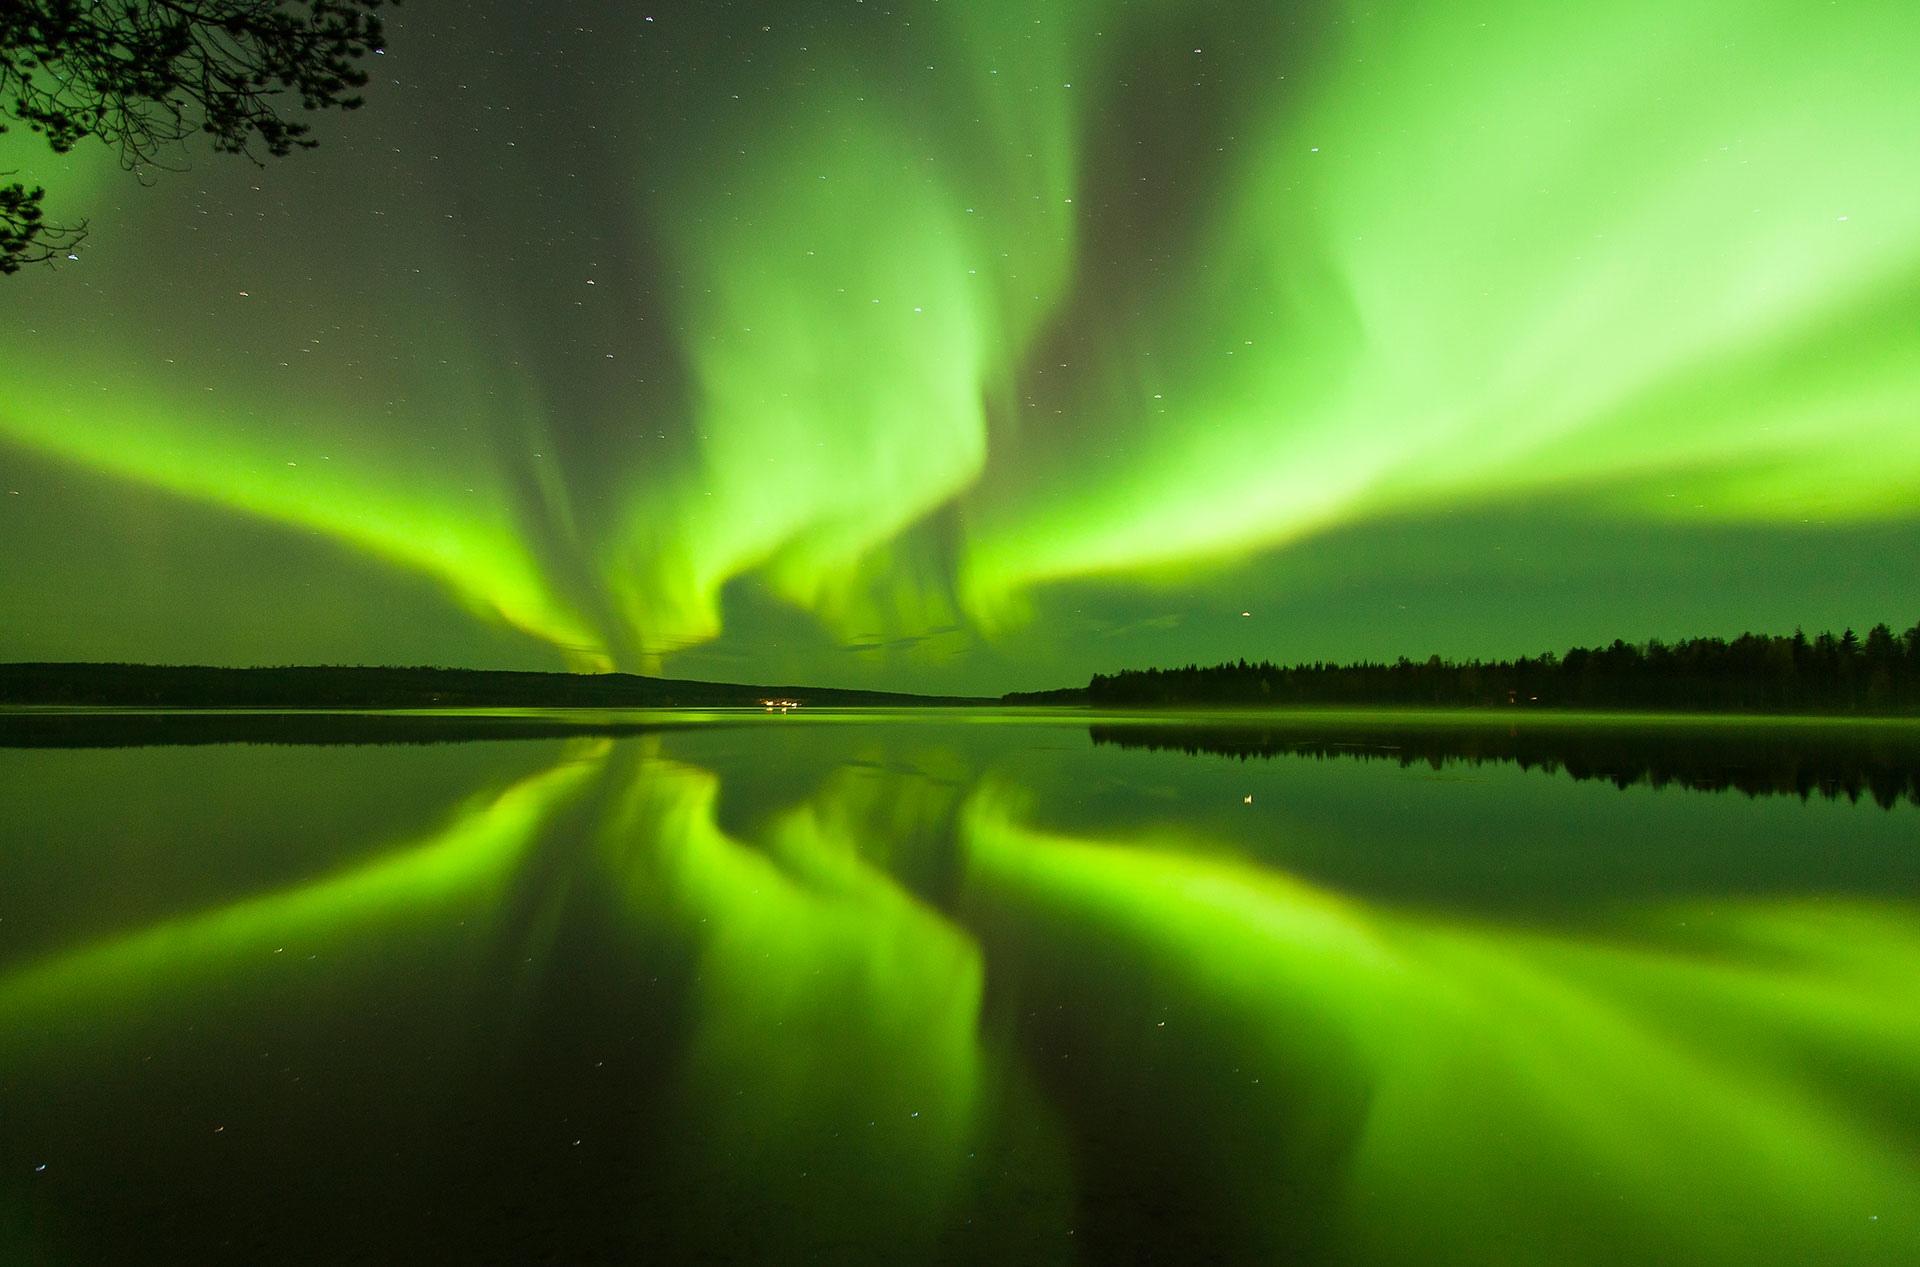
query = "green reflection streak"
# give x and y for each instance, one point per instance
(833, 1060)
(462, 868)
(1738, 1089)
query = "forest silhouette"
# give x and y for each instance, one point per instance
(1758, 673)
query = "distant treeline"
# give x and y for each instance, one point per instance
(1751, 673)
(47, 728)
(328, 686)
(1778, 759)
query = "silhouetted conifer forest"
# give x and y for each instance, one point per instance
(1757, 673)
(36, 728)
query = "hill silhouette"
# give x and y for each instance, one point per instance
(328, 686)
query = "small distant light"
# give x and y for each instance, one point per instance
(1246, 613)
(1248, 800)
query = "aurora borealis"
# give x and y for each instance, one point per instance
(980, 346)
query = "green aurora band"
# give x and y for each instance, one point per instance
(890, 344)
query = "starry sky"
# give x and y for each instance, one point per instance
(981, 346)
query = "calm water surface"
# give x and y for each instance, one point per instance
(959, 987)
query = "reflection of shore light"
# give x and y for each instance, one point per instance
(781, 705)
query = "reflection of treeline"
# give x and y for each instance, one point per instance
(1751, 673)
(328, 686)
(1881, 761)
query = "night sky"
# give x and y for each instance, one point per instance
(984, 344)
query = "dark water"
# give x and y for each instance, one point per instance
(971, 987)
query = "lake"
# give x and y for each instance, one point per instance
(958, 986)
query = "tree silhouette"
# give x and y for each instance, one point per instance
(144, 75)
(1752, 673)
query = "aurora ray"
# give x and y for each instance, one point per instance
(872, 342)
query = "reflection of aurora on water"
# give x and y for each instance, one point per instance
(895, 998)
(960, 326)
